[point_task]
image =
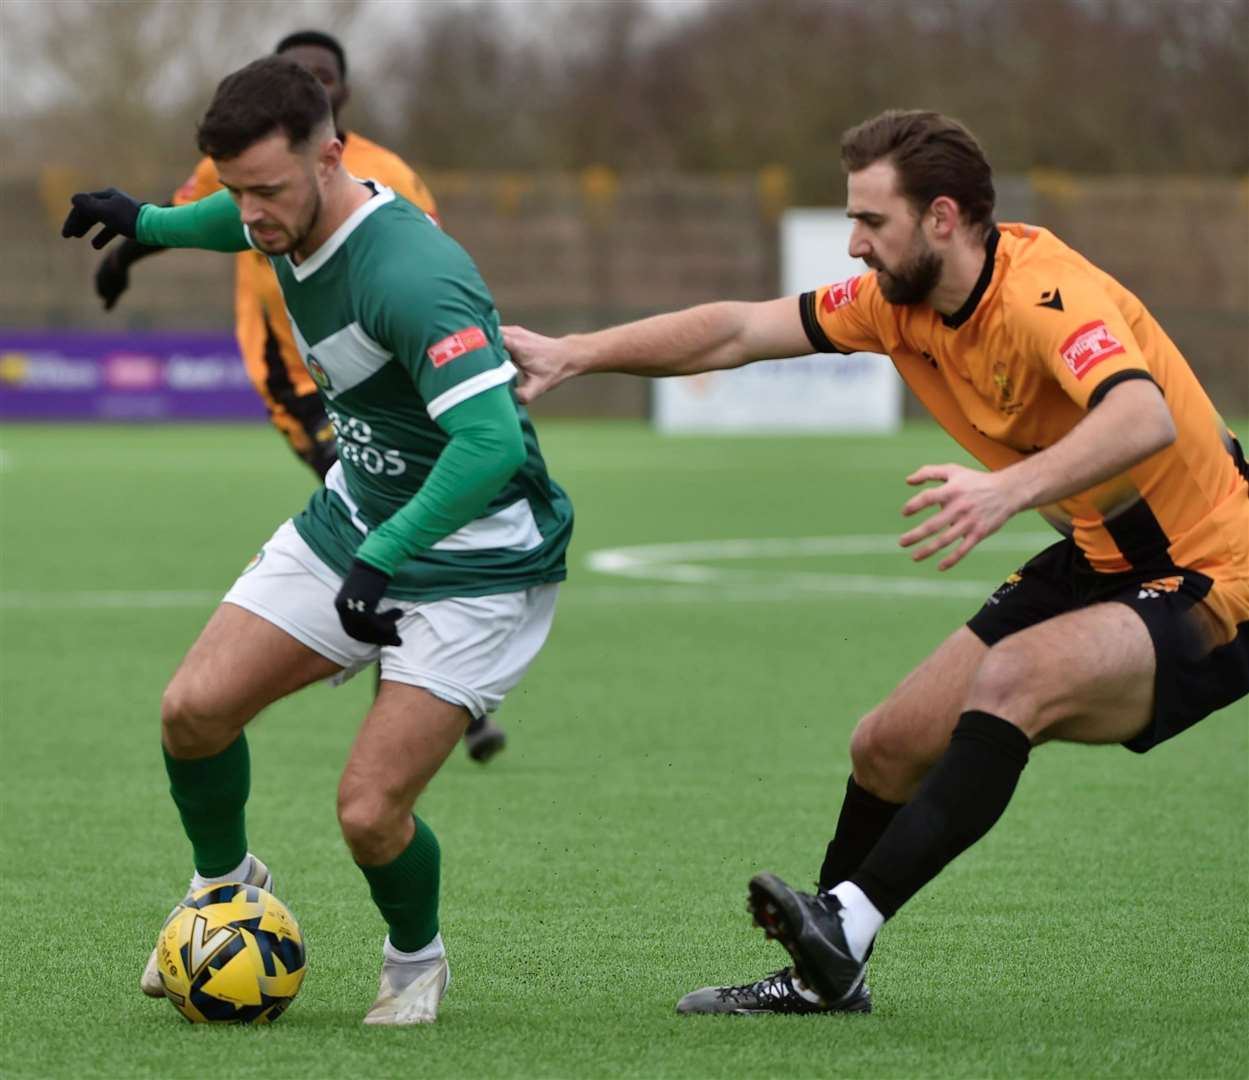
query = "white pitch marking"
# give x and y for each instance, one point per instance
(675, 581)
(155, 598)
(681, 564)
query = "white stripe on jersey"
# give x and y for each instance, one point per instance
(471, 388)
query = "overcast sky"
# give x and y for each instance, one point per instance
(27, 82)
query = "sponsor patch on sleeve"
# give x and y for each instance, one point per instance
(1088, 347)
(840, 295)
(457, 344)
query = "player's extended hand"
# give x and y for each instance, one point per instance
(544, 362)
(356, 603)
(115, 210)
(112, 277)
(973, 504)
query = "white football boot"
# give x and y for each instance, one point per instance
(411, 989)
(149, 981)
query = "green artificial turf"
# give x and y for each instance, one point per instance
(671, 740)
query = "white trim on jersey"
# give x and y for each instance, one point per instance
(339, 236)
(513, 528)
(336, 482)
(345, 359)
(482, 381)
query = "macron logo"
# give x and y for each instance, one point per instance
(457, 344)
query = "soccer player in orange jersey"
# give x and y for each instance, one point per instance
(261, 323)
(1130, 629)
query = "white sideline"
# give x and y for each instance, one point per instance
(675, 572)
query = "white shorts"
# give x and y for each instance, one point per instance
(469, 651)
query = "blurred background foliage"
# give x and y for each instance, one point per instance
(1089, 86)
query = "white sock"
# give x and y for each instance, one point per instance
(239, 873)
(800, 988)
(860, 921)
(433, 951)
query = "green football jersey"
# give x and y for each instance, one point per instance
(396, 327)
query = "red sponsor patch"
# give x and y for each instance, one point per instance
(840, 295)
(1088, 347)
(446, 350)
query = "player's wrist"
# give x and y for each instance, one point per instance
(1021, 486)
(367, 572)
(581, 353)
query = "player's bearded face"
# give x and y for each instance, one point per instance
(912, 277)
(278, 193)
(285, 226)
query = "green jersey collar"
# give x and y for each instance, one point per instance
(338, 237)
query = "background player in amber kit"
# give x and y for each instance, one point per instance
(1130, 629)
(261, 323)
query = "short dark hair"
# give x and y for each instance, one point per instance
(315, 37)
(933, 154)
(268, 95)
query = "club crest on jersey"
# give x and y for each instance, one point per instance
(840, 295)
(319, 375)
(1088, 347)
(1005, 390)
(457, 344)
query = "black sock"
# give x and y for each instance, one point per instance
(863, 820)
(958, 803)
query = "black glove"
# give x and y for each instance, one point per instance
(113, 209)
(357, 601)
(112, 276)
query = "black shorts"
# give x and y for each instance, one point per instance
(1192, 679)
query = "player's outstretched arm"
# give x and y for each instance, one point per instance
(709, 337)
(212, 224)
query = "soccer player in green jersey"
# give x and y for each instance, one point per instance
(435, 546)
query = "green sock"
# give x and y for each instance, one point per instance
(211, 794)
(406, 890)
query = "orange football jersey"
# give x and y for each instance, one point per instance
(1043, 336)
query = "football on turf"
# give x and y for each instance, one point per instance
(231, 953)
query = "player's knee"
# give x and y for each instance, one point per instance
(189, 726)
(1010, 682)
(885, 759)
(373, 826)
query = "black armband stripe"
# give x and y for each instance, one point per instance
(811, 324)
(1106, 385)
